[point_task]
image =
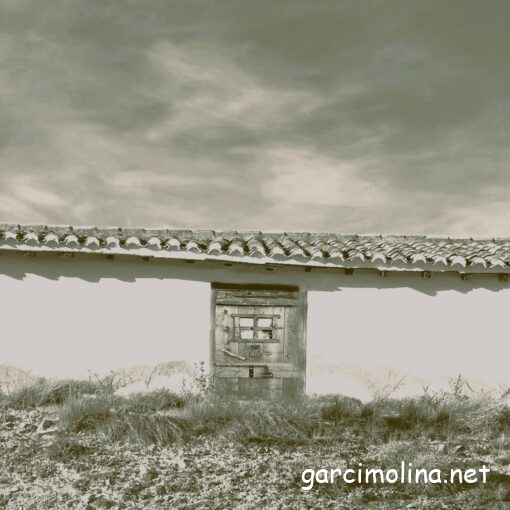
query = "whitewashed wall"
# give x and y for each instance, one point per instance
(97, 317)
(368, 340)
(64, 318)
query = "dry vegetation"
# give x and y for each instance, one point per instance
(74, 444)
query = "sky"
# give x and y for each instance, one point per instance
(385, 117)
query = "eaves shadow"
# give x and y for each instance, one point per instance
(94, 268)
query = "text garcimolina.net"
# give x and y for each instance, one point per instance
(404, 474)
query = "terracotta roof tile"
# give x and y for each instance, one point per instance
(315, 249)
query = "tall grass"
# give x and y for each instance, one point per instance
(164, 417)
(426, 414)
(157, 400)
(49, 393)
(161, 418)
(146, 428)
(85, 414)
(123, 417)
(254, 421)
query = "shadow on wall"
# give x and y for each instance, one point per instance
(94, 268)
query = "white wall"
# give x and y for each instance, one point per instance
(64, 317)
(366, 339)
(64, 327)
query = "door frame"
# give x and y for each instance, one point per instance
(301, 326)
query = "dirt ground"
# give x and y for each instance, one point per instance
(41, 468)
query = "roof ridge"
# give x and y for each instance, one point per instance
(247, 232)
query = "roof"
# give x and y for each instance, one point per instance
(262, 248)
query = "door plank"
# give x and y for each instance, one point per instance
(254, 301)
(279, 371)
(284, 356)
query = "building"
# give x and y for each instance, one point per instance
(270, 313)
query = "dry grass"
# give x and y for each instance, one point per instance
(443, 431)
(85, 414)
(426, 415)
(146, 429)
(157, 400)
(143, 418)
(49, 393)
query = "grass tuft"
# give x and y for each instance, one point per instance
(146, 429)
(85, 414)
(49, 393)
(157, 400)
(143, 417)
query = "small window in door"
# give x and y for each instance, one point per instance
(255, 328)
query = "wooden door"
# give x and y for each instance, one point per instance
(258, 348)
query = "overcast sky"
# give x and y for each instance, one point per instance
(346, 116)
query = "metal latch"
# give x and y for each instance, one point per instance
(267, 374)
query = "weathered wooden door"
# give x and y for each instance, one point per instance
(258, 347)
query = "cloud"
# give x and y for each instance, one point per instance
(213, 100)
(293, 117)
(302, 177)
(26, 191)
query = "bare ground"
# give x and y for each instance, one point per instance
(42, 467)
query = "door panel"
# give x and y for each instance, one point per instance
(258, 344)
